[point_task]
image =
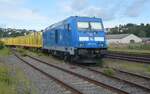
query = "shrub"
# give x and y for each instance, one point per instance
(1, 45)
(100, 63)
(139, 46)
(109, 71)
(22, 51)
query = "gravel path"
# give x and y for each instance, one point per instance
(80, 84)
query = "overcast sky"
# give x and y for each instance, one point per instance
(38, 14)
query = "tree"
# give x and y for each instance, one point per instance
(139, 30)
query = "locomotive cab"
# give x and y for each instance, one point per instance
(91, 40)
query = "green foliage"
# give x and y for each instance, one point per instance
(135, 48)
(128, 65)
(1, 45)
(148, 68)
(22, 51)
(109, 71)
(5, 51)
(4, 75)
(139, 46)
(10, 84)
(139, 30)
(13, 32)
(100, 63)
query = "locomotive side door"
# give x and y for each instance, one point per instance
(56, 36)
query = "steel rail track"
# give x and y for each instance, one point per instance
(114, 89)
(68, 87)
(117, 78)
(129, 54)
(134, 74)
(128, 58)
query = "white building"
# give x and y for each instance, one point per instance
(123, 38)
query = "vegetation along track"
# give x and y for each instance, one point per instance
(136, 80)
(133, 74)
(129, 57)
(74, 81)
(113, 83)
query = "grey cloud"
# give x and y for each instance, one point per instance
(98, 12)
(135, 8)
(79, 4)
(83, 8)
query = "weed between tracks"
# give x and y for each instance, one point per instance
(13, 83)
(100, 63)
(109, 71)
(22, 51)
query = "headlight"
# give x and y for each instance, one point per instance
(99, 38)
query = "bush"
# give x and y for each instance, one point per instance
(1, 45)
(139, 46)
(22, 51)
(100, 63)
(109, 71)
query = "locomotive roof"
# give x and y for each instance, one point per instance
(73, 17)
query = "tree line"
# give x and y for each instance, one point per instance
(13, 32)
(142, 30)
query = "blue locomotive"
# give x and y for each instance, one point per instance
(76, 38)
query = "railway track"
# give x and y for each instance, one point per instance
(68, 87)
(129, 57)
(140, 88)
(127, 77)
(133, 74)
(83, 80)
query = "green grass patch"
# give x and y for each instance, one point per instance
(109, 71)
(5, 51)
(1, 45)
(137, 48)
(100, 63)
(22, 51)
(14, 83)
(127, 65)
(148, 69)
(131, 51)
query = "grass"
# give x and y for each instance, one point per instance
(127, 65)
(109, 71)
(148, 68)
(100, 63)
(35, 52)
(132, 51)
(22, 51)
(14, 84)
(1, 45)
(137, 48)
(5, 51)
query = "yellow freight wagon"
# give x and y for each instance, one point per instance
(33, 39)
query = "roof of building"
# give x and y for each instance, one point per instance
(117, 36)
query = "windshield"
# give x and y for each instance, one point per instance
(83, 25)
(89, 26)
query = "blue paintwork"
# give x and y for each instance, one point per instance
(57, 35)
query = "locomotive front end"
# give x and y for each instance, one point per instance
(91, 40)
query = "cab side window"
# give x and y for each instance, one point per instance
(68, 27)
